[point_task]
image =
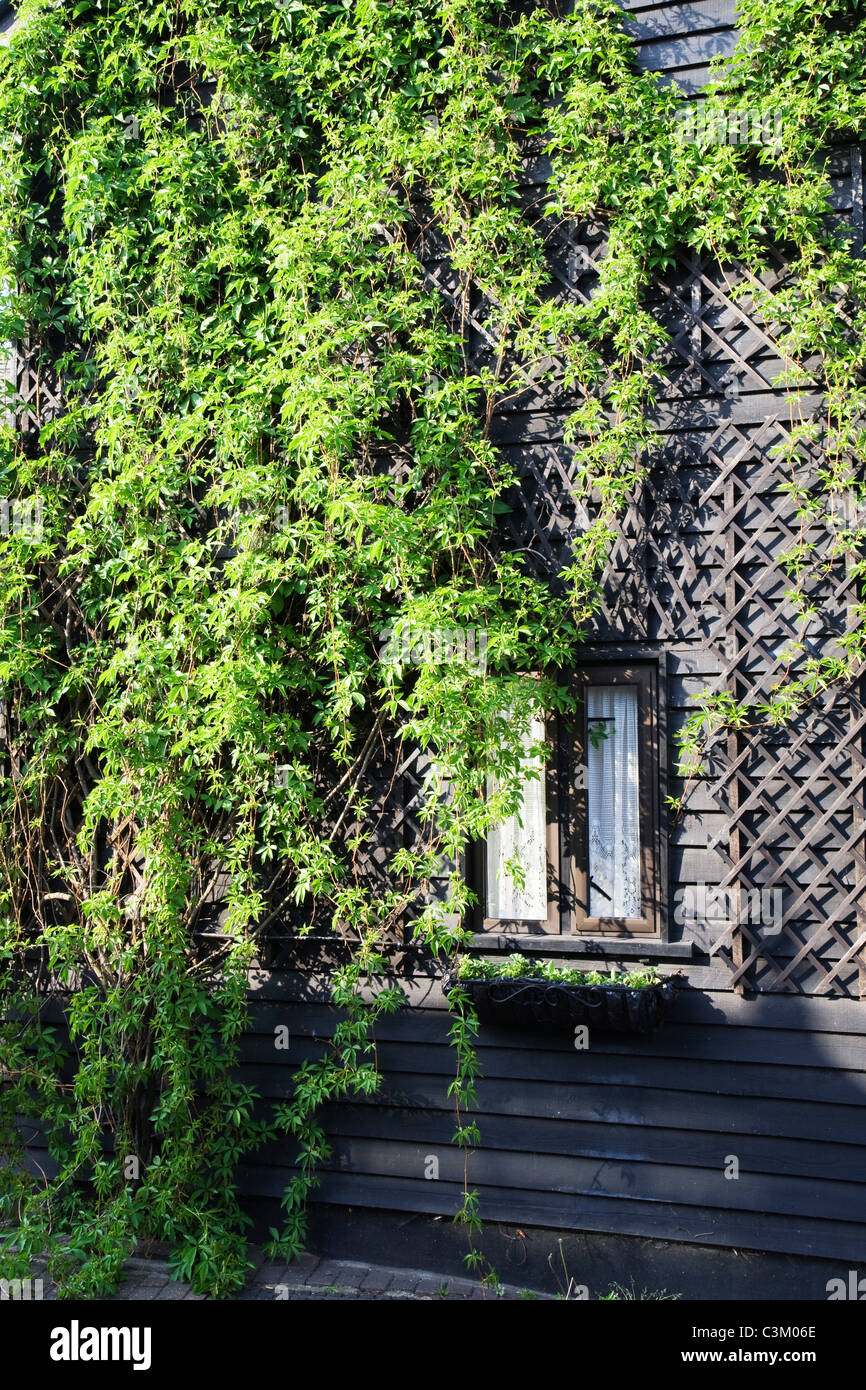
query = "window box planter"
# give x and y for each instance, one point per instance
(530, 1002)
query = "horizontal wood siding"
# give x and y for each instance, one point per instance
(680, 41)
(629, 1137)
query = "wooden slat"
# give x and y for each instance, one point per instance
(838, 1240)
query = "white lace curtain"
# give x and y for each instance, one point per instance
(8, 360)
(613, 806)
(523, 838)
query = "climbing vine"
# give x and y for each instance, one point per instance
(263, 450)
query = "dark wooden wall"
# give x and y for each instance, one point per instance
(696, 581)
(7, 21)
(681, 40)
(764, 1060)
(631, 1138)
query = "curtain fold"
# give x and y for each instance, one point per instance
(613, 803)
(524, 838)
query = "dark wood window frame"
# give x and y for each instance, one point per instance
(534, 926)
(643, 677)
(567, 918)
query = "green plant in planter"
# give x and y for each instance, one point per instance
(517, 966)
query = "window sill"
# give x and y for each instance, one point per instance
(615, 948)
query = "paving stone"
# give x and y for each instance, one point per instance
(463, 1288)
(431, 1284)
(152, 1251)
(272, 1274)
(290, 1277)
(408, 1278)
(133, 1288)
(334, 1272)
(347, 1276)
(307, 1278)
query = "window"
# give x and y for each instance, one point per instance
(532, 839)
(588, 835)
(8, 363)
(615, 813)
(522, 838)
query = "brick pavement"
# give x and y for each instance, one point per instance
(308, 1277)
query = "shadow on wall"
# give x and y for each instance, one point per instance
(721, 1157)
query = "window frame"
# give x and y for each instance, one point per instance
(567, 921)
(530, 926)
(643, 675)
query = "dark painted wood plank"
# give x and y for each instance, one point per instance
(751, 408)
(679, 19)
(817, 1140)
(817, 1015)
(696, 866)
(692, 50)
(658, 8)
(693, 660)
(812, 1015)
(816, 1124)
(781, 1049)
(688, 81)
(520, 1066)
(577, 1176)
(663, 1221)
(542, 1135)
(695, 831)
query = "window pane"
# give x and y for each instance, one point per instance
(526, 842)
(613, 805)
(8, 362)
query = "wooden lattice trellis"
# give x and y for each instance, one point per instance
(696, 564)
(793, 798)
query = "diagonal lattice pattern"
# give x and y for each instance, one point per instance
(697, 562)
